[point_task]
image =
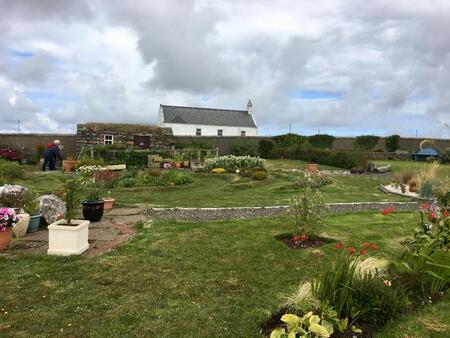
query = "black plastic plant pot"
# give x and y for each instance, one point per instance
(93, 211)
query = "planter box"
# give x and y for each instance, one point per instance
(65, 240)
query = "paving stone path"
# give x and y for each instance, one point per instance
(116, 226)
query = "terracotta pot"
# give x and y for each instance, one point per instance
(178, 165)
(5, 238)
(413, 188)
(109, 203)
(311, 167)
(68, 165)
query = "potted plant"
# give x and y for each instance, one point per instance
(69, 236)
(32, 208)
(109, 201)
(8, 219)
(69, 164)
(186, 163)
(93, 205)
(311, 167)
(178, 158)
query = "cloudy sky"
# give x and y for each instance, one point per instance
(345, 67)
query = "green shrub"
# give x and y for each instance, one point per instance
(287, 140)
(441, 191)
(323, 141)
(309, 180)
(392, 143)
(378, 302)
(245, 148)
(309, 210)
(265, 148)
(366, 142)
(426, 188)
(10, 170)
(259, 175)
(88, 161)
(150, 178)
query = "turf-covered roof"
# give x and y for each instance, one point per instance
(125, 128)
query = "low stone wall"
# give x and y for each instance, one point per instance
(210, 214)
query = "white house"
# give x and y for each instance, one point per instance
(191, 121)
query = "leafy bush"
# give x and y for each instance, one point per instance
(10, 170)
(308, 210)
(72, 192)
(245, 148)
(31, 202)
(108, 178)
(150, 178)
(366, 142)
(232, 163)
(287, 140)
(392, 143)
(86, 161)
(259, 175)
(323, 141)
(265, 148)
(310, 180)
(441, 191)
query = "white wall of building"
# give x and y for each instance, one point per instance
(180, 129)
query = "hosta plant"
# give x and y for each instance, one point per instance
(310, 325)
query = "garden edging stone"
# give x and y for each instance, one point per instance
(206, 214)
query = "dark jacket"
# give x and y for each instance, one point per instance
(53, 153)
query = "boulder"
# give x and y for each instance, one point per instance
(52, 208)
(20, 229)
(13, 195)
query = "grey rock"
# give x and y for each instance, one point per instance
(52, 208)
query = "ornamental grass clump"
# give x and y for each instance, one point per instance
(231, 163)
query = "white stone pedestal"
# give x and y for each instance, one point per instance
(65, 240)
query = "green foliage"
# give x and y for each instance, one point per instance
(245, 148)
(287, 140)
(426, 188)
(441, 191)
(259, 175)
(323, 141)
(88, 161)
(392, 143)
(265, 148)
(232, 163)
(10, 170)
(40, 149)
(72, 192)
(308, 210)
(316, 180)
(31, 202)
(377, 301)
(310, 325)
(155, 178)
(340, 159)
(194, 145)
(366, 142)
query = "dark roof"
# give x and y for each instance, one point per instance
(427, 152)
(207, 116)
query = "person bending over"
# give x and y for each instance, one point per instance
(51, 154)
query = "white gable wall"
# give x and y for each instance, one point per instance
(181, 129)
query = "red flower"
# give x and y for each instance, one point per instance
(433, 215)
(304, 237)
(295, 238)
(366, 245)
(373, 246)
(339, 246)
(446, 213)
(362, 252)
(351, 250)
(425, 206)
(387, 211)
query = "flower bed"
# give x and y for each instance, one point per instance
(231, 163)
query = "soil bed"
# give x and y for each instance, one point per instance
(310, 242)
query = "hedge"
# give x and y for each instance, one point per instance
(323, 141)
(392, 142)
(265, 148)
(366, 142)
(245, 148)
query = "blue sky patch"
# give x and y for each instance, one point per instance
(20, 53)
(312, 94)
(49, 96)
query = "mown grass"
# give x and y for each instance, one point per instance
(197, 279)
(226, 190)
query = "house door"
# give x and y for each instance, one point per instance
(142, 142)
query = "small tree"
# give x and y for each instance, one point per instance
(72, 193)
(308, 210)
(392, 143)
(323, 141)
(366, 142)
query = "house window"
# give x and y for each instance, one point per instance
(219, 132)
(243, 133)
(198, 132)
(108, 139)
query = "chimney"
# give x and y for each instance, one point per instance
(249, 106)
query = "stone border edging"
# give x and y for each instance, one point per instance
(210, 214)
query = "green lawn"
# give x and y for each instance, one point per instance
(225, 190)
(444, 169)
(208, 279)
